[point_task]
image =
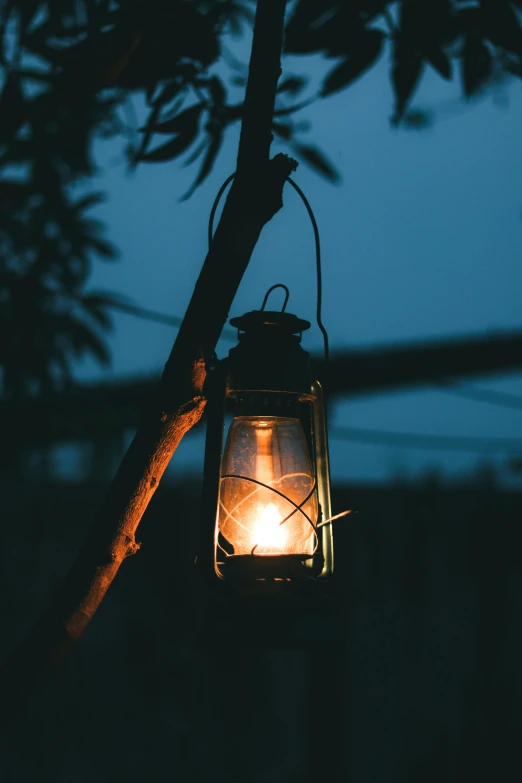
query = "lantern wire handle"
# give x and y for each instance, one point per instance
(337, 516)
(277, 285)
(318, 263)
(317, 251)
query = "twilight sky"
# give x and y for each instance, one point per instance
(422, 239)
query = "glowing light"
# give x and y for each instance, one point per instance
(272, 452)
(268, 532)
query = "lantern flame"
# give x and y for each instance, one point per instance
(268, 532)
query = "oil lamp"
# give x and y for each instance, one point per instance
(266, 494)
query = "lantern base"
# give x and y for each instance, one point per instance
(239, 569)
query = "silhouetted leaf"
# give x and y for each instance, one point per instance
(234, 26)
(308, 29)
(300, 38)
(11, 108)
(86, 202)
(285, 110)
(425, 28)
(200, 149)
(167, 151)
(27, 11)
(97, 312)
(317, 160)
(439, 60)
(282, 129)
(102, 248)
(107, 298)
(217, 91)
(236, 12)
(406, 71)
(135, 156)
(84, 339)
(368, 50)
(427, 23)
(185, 122)
(170, 32)
(292, 84)
(417, 119)
(122, 54)
(476, 65)
(216, 140)
(97, 302)
(167, 93)
(514, 68)
(170, 113)
(501, 25)
(14, 194)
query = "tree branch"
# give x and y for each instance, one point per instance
(178, 402)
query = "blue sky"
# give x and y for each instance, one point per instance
(422, 239)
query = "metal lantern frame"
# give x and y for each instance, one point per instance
(267, 374)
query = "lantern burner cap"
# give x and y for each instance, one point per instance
(254, 568)
(257, 320)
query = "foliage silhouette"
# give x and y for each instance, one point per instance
(68, 69)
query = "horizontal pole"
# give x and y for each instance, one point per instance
(97, 410)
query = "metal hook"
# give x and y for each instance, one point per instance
(277, 285)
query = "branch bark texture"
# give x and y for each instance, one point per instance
(178, 403)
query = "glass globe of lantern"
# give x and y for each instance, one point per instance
(266, 476)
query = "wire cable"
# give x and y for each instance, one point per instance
(161, 318)
(502, 399)
(146, 314)
(318, 266)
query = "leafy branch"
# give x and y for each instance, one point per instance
(68, 69)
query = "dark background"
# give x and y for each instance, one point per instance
(421, 235)
(426, 686)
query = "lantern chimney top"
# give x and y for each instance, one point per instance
(270, 321)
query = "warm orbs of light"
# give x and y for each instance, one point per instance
(272, 451)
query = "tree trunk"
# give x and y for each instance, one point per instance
(178, 403)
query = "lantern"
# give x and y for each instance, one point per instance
(266, 495)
